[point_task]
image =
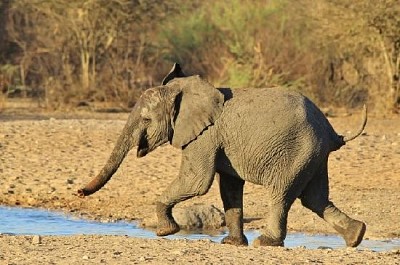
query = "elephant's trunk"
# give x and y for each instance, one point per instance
(124, 143)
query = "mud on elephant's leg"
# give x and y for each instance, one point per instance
(315, 197)
(352, 230)
(231, 189)
(166, 223)
(178, 191)
(275, 233)
(195, 178)
(182, 188)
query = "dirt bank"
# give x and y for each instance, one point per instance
(44, 161)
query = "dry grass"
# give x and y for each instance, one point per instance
(340, 53)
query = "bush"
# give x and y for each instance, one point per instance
(238, 43)
(338, 52)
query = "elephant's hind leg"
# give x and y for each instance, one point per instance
(352, 230)
(275, 232)
(231, 189)
(315, 197)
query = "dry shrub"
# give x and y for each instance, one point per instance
(339, 52)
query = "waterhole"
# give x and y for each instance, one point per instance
(28, 221)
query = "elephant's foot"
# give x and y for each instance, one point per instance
(354, 234)
(167, 228)
(166, 223)
(236, 241)
(264, 240)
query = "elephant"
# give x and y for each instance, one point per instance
(274, 137)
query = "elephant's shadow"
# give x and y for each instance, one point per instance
(251, 219)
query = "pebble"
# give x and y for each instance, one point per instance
(31, 201)
(179, 252)
(395, 251)
(36, 240)
(85, 257)
(325, 248)
(144, 258)
(300, 247)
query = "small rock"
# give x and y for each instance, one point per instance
(57, 203)
(395, 252)
(70, 181)
(301, 247)
(31, 201)
(36, 240)
(179, 252)
(85, 257)
(351, 249)
(325, 248)
(199, 216)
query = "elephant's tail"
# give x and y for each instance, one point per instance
(341, 140)
(357, 133)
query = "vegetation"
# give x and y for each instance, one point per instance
(338, 52)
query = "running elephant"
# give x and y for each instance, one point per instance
(273, 137)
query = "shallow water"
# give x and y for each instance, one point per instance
(24, 221)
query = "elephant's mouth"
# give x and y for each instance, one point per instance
(143, 148)
(142, 152)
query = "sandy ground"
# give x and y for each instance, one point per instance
(45, 158)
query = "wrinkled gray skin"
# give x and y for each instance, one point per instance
(268, 136)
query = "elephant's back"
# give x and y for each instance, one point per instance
(270, 111)
(270, 107)
(276, 129)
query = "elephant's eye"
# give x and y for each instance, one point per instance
(146, 120)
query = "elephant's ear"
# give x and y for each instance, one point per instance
(197, 106)
(175, 72)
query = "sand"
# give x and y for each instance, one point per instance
(45, 158)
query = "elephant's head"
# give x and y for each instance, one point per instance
(177, 111)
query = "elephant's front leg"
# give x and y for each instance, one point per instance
(166, 223)
(231, 189)
(195, 178)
